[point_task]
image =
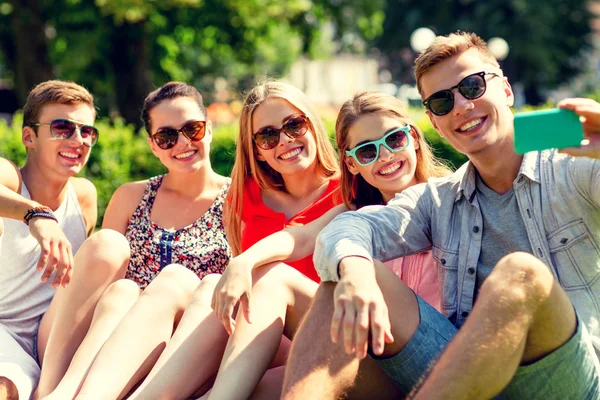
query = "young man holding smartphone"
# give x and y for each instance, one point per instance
(517, 241)
(46, 213)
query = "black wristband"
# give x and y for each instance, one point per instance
(39, 212)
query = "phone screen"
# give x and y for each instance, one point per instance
(547, 129)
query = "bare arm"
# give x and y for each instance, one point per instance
(12, 204)
(55, 249)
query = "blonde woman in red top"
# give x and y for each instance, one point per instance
(383, 153)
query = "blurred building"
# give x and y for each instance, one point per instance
(335, 80)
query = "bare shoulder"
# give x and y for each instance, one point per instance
(10, 176)
(221, 180)
(129, 193)
(85, 190)
(126, 198)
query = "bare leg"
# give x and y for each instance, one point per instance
(318, 368)
(101, 260)
(193, 354)
(280, 297)
(136, 343)
(268, 388)
(113, 305)
(270, 385)
(521, 315)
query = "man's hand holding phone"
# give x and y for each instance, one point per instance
(588, 111)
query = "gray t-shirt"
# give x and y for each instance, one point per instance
(503, 229)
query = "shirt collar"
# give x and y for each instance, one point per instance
(530, 168)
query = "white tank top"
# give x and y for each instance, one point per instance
(23, 297)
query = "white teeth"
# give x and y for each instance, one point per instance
(69, 155)
(186, 154)
(391, 168)
(290, 154)
(470, 125)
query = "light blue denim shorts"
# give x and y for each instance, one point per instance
(570, 372)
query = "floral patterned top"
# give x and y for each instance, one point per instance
(201, 247)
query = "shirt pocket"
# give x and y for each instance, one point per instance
(574, 254)
(447, 262)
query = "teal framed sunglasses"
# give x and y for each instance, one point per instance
(367, 153)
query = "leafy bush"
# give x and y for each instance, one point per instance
(122, 155)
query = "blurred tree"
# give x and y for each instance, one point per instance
(27, 54)
(547, 38)
(121, 49)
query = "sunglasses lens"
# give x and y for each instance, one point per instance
(89, 132)
(62, 128)
(267, 138)
(194, 130)
(441, 103)
(397, 140)
(296, 126)
(472, 87)
(366, 154)
(166, 138)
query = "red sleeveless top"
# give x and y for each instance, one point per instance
(261, 221)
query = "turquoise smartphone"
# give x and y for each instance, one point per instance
(547, 129)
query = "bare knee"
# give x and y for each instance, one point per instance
(203, 294)
(119, 294)
(324, 293)
(519, 278)
(210, 280)
(172, 287)
(8, 390)
(107, 249)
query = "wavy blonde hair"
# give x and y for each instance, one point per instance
(246, 161)
(355, 189)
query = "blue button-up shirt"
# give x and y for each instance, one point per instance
(559, 202)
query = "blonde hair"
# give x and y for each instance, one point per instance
(355, 189)
(445, 47)
(246, 161)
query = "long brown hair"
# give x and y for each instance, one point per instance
(246, 162)
(355, 189)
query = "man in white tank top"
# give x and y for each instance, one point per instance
(46, 213)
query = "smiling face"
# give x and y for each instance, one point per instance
(59, 157)
(186, 155)
(392, 172)
(473, 127)
(290, 156)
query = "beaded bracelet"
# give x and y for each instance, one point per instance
(41, 212)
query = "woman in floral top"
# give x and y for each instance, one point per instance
(173, 224)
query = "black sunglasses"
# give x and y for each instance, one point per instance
(166, 138)
(471, 87)
(63, 129)
(294, 126)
